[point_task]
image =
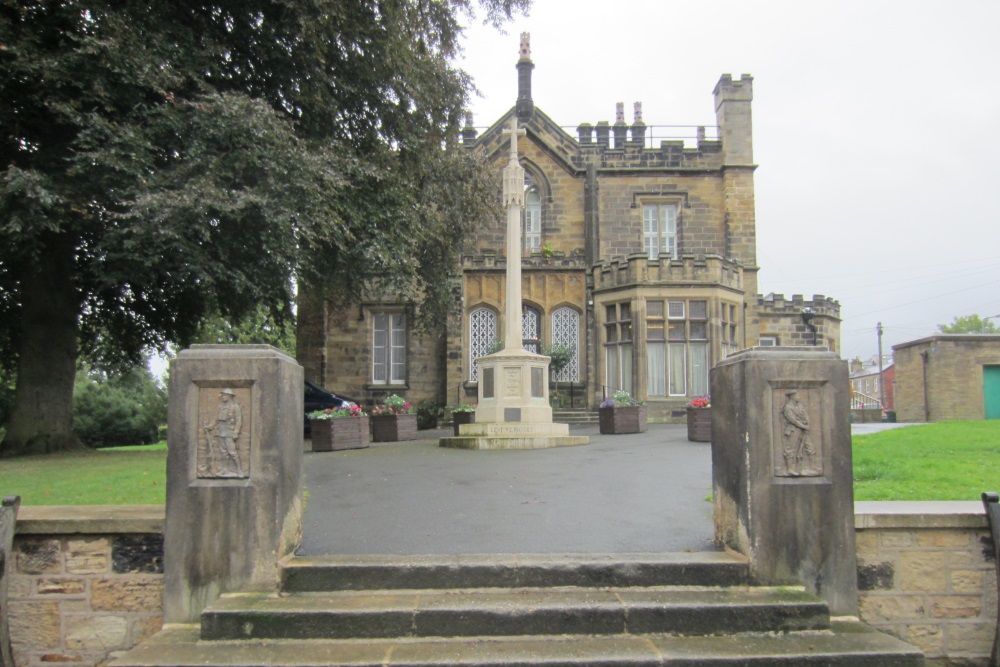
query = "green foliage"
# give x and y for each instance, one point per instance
(161, 163)
(429, 413)
(560, 356)
(969, 324)
(260, 327)
(117, 410)
(955, 460)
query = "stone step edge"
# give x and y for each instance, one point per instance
(855, 643)
(513, 612)
(368, 572)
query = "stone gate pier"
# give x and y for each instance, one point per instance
(234, 469)
(781, 469)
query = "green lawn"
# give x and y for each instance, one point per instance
(944, 461)
(120, 476)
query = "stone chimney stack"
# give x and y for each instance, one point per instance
(525, 106)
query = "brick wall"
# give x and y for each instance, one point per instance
(84, 584)
(926, 574)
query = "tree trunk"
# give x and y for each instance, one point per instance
(41, 420)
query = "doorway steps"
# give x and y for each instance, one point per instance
(575, 416)
(680, 610)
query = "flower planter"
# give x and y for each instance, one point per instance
(329, 435)
(459, 418)
(391, 428)
(699, 421)
(623, 420)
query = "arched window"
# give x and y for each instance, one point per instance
(532, 220)
(566, 331)
(482, 333)
(531, 329)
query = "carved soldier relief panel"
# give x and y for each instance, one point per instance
(797, 445)
(224, 421)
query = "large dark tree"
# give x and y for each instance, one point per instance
(160, 161)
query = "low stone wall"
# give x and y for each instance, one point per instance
(926, 574)
(87, 581)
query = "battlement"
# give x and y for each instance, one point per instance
(689, 270)
(490, 260)
(777, 304)
(728, 89)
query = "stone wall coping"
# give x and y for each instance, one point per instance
(89, 519)
(109, 519)
(920, 514)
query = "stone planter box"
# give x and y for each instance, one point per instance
(699, 421)
(459, 418)
(391, 428)
(623, 420)
(329, 435)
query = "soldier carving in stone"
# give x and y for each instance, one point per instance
(796, 434)
(224, 432)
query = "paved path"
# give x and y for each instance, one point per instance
(637, 493)
(620, 494)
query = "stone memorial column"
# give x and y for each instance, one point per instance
(781, 469)
(234, 467)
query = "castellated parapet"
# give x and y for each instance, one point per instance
(690, 269)
(777, 304)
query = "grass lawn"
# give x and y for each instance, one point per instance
(955, 460)
(119, 476)
(944, 461)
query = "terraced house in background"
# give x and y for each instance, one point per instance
(639, 252)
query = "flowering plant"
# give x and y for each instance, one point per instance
(701, 402)
(393, 405)
(620, 399)
(464, 407)
(338, 413)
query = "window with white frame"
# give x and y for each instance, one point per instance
(677, 350)
(566, 331)
(532, 220)
(482, 333)
(768, 341)
(618, 347)
(730, 342)
(389, 348)
(659, 230)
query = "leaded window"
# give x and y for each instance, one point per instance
(482, 333)
(531, 321)
(566, 331)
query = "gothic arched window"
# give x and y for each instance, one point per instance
(566, 331)
(482, 333)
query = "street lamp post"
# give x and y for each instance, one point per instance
(982, 328)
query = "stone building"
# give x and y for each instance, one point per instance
(640, 257)
(948, 376)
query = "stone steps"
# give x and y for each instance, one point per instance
(554, 610)
(575, 416)
(334, 573)
(511, 612)
(846, 644)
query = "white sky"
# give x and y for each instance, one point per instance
(875, 128)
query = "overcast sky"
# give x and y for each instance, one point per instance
(876, 132)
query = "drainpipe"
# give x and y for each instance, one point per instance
(925, 355)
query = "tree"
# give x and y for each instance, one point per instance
(118, 409)
(969, 324)
(163, 161)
